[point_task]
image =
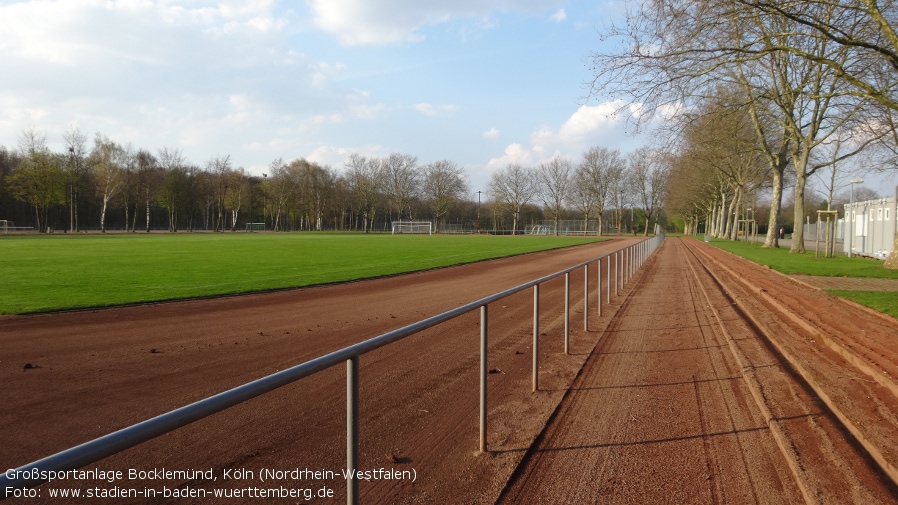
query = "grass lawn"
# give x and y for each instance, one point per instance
(783, 261)
(883, 301)
(45, 273)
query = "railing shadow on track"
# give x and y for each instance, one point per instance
(626, 262)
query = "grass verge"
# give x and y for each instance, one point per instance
(883, 301)
(46, 273)
(788, 263)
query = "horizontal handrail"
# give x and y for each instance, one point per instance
(44, 470)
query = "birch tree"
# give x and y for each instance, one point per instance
(366, 182)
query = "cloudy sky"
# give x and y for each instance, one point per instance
(478, 82)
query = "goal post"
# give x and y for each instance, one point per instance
(417, 227)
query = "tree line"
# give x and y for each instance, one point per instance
(762, 95)
(103, 184)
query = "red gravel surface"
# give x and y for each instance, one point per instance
(708, 380)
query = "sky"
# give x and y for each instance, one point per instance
(482, 83)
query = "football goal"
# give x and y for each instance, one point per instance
(420, 227)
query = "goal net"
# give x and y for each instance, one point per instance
(419, 227)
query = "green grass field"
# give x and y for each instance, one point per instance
(46, 273)
(783, 261)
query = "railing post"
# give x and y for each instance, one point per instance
(608, 263)
(483, 374)
(586, 297)
(616, 270)
(535, 338)
(599, 285)
(352, 430)
(567, 312)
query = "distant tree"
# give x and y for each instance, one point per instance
(236, 192)
(76, 169)
(597, 174)
(174, 184)
(39, 178)
(582, 197)
(650, 171)
(444, 184)
(146, 171)
(402, 179)
(512, 188)
(366, 181)
(107, 161)
(217, 170)
(554, 181)
(282, 189)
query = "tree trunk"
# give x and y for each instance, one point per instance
(148, 210)
(103, 214)
(801, 181)
(776, 201)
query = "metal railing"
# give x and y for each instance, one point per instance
(626, 262)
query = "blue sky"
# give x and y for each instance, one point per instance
(482, 83)
(479, 82)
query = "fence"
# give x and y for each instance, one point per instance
(626, 262)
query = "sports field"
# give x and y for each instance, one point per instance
(46, 273)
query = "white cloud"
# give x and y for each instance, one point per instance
(588, 120)
(586, 127)
(492, 133)
(558, 16)
(433, 110)
(514, 153)
(362, 22)
(336, 157)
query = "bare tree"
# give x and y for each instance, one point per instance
(173, 169)
(76, 169)
(402, 179)
(106, 163)
(649, 171)
(598, 172)
(236, 191)
(444, 184)
(865, 31)
(554, 183)
(146, 170)
(218, 169)
(583, 198)
(366, 182)
(512, 188)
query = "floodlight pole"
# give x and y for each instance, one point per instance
(851, 183)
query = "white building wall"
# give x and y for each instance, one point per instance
(870, 227)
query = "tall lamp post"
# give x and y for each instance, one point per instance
(852, 182)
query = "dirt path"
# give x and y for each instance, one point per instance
(712, 386)
(660, 414)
